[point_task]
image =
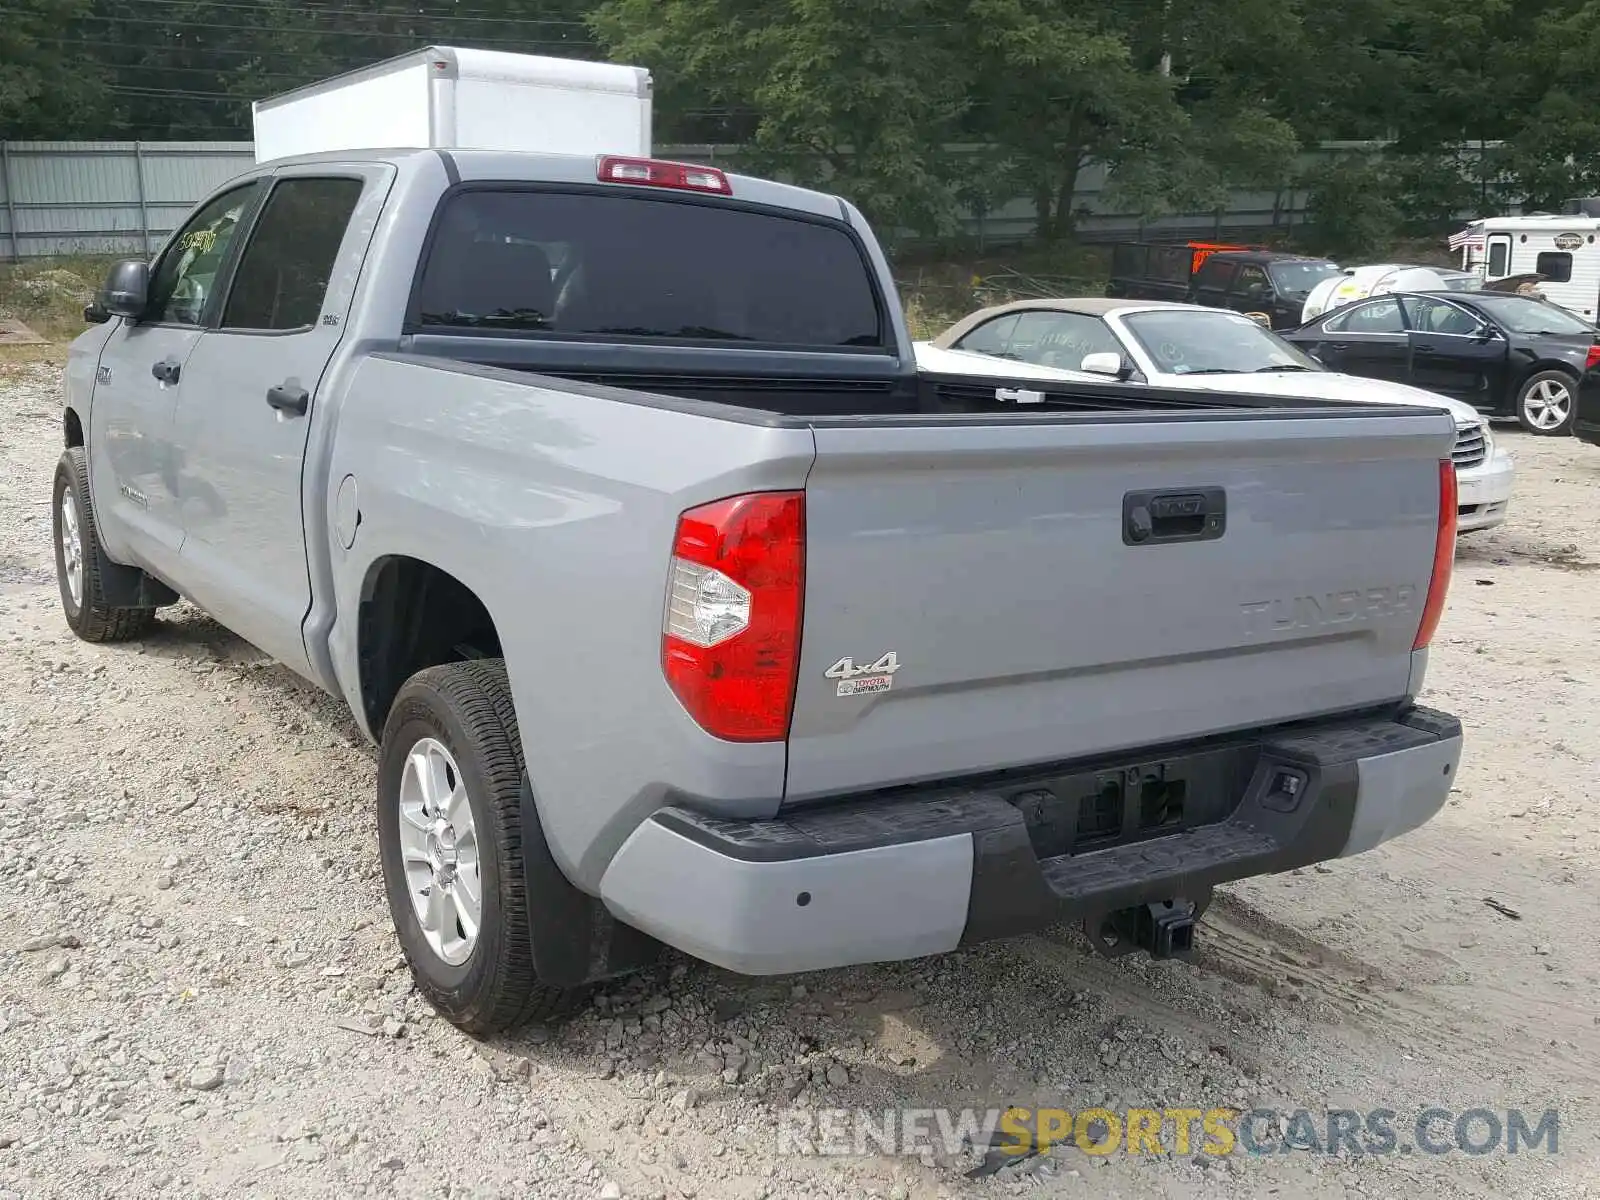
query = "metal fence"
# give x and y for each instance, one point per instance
(105, 197)
(61, 198)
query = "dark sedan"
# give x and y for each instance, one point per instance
(1507, 356)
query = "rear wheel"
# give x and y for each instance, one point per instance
(450, 836)
(81, 562)
(1545, 404)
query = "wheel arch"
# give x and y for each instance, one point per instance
(414, 614)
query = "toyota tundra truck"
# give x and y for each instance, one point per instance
(683, 610)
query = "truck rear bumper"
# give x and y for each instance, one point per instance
(923, 871)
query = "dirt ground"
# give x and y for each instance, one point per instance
(200, 994)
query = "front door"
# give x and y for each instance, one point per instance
(255, 378)
(1453, 353)
(134, 461)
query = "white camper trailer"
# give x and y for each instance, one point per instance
(1561, 249)
(448, 98)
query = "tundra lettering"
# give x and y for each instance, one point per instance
(1329, 609)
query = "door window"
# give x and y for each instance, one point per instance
(1381, 316)
(992, 337)
(1214, 276)
(1426, 314)
(1252, 284)
(185, 277)
(289, 259)
(1499, 258)
(1060, 339)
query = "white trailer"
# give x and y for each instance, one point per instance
(1562, 249)
(458, 99)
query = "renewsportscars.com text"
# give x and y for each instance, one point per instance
(1214, 1131)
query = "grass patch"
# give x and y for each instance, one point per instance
(48, 294)
(937, 290)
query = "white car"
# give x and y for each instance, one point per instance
(1376, 279)
(1187, 346)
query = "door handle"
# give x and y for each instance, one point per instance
(289, 398)
(1338, 345)
(167, 370)
(1162, 517)
(1429, 347)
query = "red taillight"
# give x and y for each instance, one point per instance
(1444, 556)
(730, 641)
(1592, 359)
(650, 172)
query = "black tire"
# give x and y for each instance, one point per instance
(90, 617)
(1526, 398)
(467, 708)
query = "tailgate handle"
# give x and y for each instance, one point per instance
(1159, 518)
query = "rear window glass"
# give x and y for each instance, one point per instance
(577, 264)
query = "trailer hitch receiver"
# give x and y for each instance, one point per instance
(1163, 929)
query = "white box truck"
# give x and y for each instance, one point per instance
(459, 99)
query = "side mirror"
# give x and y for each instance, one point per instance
(1483, 333)
(127, 290)
(1105, 362)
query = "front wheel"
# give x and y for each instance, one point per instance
(1545, 404)
(450, 837)
(81, 562)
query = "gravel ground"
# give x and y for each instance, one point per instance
(200, 994)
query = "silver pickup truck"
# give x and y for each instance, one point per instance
(684, 610)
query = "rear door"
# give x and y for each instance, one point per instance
(253, 380)
(1212, 281)
(978, 596)
(1368, 338)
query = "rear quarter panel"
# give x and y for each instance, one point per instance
(557, 506)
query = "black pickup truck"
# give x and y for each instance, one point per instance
(1245, 280)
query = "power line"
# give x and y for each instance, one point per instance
(168, 23)
(176, 94)
(470, 15)
(207, 51)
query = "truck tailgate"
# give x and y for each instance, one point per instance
(1038, 589)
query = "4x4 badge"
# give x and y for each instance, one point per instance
(864, 680)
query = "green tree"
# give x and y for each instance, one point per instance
(44, 84)
(860, 96)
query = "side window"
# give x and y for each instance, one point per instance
(1252, 282)
(1428, 315)
(1061, 339)
(1214, 274)
(1554, 265)
(288, 261)
(1036, 335)
(184, 278)
(992, 337)
(1499, 258)
(1381, 316)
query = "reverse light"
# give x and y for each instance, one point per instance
(730, 639)
(651, 172)
(1444, 556)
